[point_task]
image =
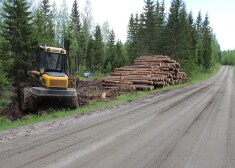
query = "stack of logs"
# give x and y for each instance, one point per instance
(147, 73)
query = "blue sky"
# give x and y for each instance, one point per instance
(117, 13)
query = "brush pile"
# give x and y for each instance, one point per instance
(147, 73)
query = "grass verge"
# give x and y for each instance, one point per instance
(33, 118)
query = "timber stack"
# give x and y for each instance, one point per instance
(147, 73)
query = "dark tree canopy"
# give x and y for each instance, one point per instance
(17, 31)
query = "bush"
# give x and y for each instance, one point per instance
(3, 78)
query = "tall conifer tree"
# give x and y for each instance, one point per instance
(149, 26)
(206, 42)
(98, 49)
(17, 32)
(75, 16)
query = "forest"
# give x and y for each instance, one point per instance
(94, 48)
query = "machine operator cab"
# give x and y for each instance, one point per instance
(50, 68)
(51, 59)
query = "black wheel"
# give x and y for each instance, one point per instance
(28, 101)
(72, 103)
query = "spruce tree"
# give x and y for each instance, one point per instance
(130, 31)
(90, 55)
(98, 49)
(177, 30)
(140, 37)
(199, 49)
(160, 23)
(48, 24)
(17, 32)
(131, 36)
(38, 28)
(110, 52)
(149, 26)
(193, 38)
(206, 42)
(120, 58)
(75, 16)
(216, 51)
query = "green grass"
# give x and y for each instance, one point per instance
(32, 119)
(199, 76)
(5, 98)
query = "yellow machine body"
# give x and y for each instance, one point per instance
(54, 82)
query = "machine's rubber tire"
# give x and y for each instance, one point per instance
(72, 103)
(28, 101)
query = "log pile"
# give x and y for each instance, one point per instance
(147, 73)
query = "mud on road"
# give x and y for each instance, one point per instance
(190, 127)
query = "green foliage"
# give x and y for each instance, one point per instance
(228, 57)
(108, 68)
(45, 17)
(149, 26)
(206, 42)
(75, 16)
(5, 98)
(90, 55)
(98, 49)
(95, 48)
(4, 81)
(17, 33)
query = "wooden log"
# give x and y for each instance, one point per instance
(118, 82)
(143, 87)
(160, 83)
(142, 82)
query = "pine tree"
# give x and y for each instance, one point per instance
(17, 32)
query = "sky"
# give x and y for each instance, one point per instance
(118, 12)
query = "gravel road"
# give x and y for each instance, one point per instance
(190, 127)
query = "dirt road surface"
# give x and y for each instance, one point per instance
(191, 127)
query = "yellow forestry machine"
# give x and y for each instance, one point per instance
(49, 80)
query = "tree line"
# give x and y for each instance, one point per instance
(95, 48)
(228, 57)
(176, 34)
